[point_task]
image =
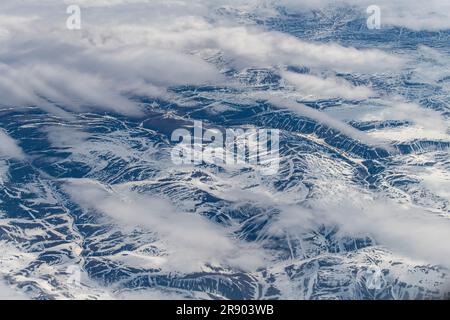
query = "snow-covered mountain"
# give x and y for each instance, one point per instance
(92, 205)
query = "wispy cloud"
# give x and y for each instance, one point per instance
(316, 87)
(189, 242)
(121, 52)
(8, 292)
(9, 147)
(323, 118)
(405, 230)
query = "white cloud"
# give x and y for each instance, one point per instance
(331, 87)
(413, 232)
(402, 228)
(8, 292)
(322, 117)
(65, 136)
(425, 123)
(9, 147)
(189, 241)
(124, 50)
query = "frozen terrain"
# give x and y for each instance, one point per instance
(93, 207)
